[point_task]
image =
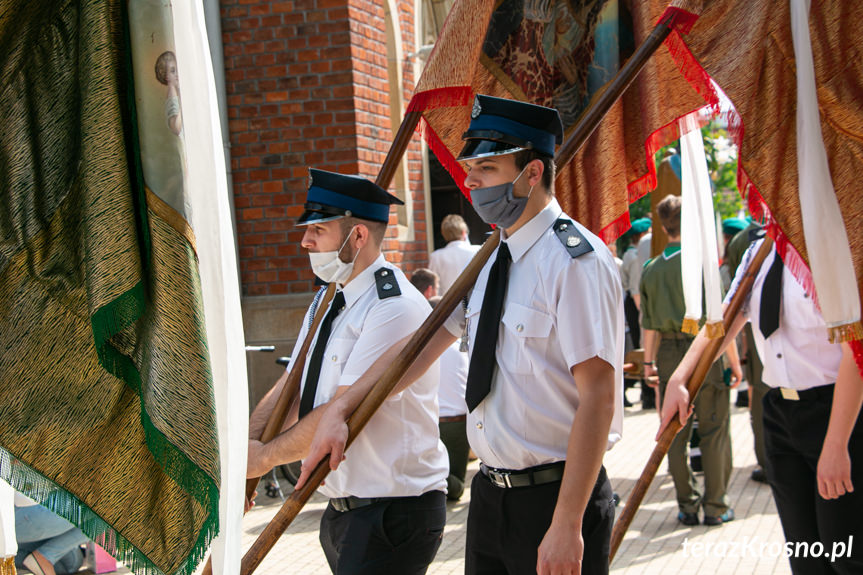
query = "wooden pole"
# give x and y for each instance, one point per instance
(693, 385)
(370, 403)
(586, 125)
(276, 420)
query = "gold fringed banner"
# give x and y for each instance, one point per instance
(714, 330)
(846, 333)
(690, 326)
(7, 566)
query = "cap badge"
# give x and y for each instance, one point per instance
(311, 180)
(477, 109)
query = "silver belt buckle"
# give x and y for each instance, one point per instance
(499, 479)
(789, 394)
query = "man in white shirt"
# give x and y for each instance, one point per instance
(812, 430)
(387, 505)
(545, 382)
(449, 261)
(453, 410)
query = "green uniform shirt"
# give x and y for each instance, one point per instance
(662, 303)
(737, 247)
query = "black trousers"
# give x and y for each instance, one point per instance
(506, 526)
(793, 436)
(630, 313)
(453, 434)
(399, 535)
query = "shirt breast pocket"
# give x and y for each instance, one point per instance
(337, 352)
(523, 328)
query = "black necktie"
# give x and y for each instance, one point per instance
(771, 295)
(482, 360)
(307, 402)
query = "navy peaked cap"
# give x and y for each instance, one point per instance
(333, 196)
(500, 126)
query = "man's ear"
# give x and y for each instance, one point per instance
(534, 172)
(363, 235)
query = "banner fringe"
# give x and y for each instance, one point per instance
(66, 505)
(846, 332)
(7, 566)
(690, 326)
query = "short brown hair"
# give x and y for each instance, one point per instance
(377, 230)
(423, 278)
(668, 211)
(524, 157)
(453, 227)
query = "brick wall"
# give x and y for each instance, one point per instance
(307, 85)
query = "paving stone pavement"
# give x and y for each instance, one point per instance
(655, 540)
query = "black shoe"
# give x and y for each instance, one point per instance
(758, 475)
(742, 399)
(724, 518)
(626, 402)
(688, 518)
(648, 404)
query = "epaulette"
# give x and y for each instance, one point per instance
(385, 280)
(568, 234)
(756, 234)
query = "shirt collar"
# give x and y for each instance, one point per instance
(530, 232)
(671, 249)
(366, 278)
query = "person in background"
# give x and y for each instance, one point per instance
(812, 430)
(47, 543)
(630, 277)
(449, 261)
(663, 308)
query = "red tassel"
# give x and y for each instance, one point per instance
(678, 19)
(614, 230)
(857, 350)
(446, 97)
(444, 156)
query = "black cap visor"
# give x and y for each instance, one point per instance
(477, 148)
(318, 213)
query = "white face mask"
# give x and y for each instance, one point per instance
(329, 266)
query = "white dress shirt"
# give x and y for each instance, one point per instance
(453, 380)
(449, 261)
(399, 452)
(630, 271)
(559, 311)
(798, 354)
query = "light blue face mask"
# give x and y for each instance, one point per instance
(497, 205)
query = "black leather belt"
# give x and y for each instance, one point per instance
(539, 475)
(810, 394)
(452, 418)
(343, 504)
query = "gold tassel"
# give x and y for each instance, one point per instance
(846, 332)
(714, 330)
(7, 566)
(689, 326)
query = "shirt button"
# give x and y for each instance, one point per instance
(479, 425)
(519, 328)
(779, 355)
(335, 358)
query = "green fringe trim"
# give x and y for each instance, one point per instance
(43, 490)
(107, 321)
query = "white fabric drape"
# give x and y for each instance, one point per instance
(823, 227)
(699, 252)
(207, 195)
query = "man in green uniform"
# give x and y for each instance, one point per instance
(663, 308)
(757, 388)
